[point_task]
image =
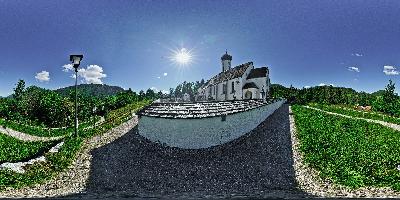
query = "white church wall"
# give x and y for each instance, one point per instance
(220, 95)
(226, 65)
(203, 132)
(238, 88)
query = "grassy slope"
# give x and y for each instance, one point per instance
(355, 113)
(351, 152)
(58, 162)
(14, 150)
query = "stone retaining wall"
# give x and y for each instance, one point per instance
(204, 132)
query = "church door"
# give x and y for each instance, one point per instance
(248, 95)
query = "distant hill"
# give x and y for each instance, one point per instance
(98, 90)
(378, 93)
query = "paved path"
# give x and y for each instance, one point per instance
(390, 125)
(32, 138)
(26, 137)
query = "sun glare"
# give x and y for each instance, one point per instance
(182, 57)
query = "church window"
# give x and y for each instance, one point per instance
(233, 87)
(224, 89)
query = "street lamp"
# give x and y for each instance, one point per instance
(76, 61)
(94, 117)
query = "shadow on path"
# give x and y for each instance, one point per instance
(258, 164)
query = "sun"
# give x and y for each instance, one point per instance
(182, 57)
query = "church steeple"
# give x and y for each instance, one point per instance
(226, 61)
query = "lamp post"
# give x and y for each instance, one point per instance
(94, 117)
(76, 61)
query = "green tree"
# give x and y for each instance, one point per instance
(391, 99)
(19, 89)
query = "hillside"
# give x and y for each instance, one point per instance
(378, 93)
(92, 89)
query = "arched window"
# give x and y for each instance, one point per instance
(233, 87)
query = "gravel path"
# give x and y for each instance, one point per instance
(74, 179)
(258, 164)
(390, 125)
(310, 182)
(26, 137)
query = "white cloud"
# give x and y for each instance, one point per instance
(353, 69)
(165, 74)
(92, 74)
(158, 77)
(43, 76)
(323, 84)
(390, 70)
(154, 89)
(307, 86)
(357, 54)
(68, 67)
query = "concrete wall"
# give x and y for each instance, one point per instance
(203, 132)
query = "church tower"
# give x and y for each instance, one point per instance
(226, 61)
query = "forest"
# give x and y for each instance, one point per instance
(41, 107)
(385, 101)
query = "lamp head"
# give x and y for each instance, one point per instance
(76, 60)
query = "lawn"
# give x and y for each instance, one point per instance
(347, 151)
(355, 113)
(14, 150)
(43, 131)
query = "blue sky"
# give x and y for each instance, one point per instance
(128, 43)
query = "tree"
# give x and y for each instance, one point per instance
(391, 99)
(171, 92)
(150, 94)
(19, 89)
(142, 95)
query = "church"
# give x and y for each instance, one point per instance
(237, 83)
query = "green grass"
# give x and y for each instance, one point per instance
(14, 150)
(354, 113)
(350, 152)
(42, 131)
(57, 162)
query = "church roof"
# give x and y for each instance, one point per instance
(232, 73)
(257, 73)
(226, 56)
(250, 85)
